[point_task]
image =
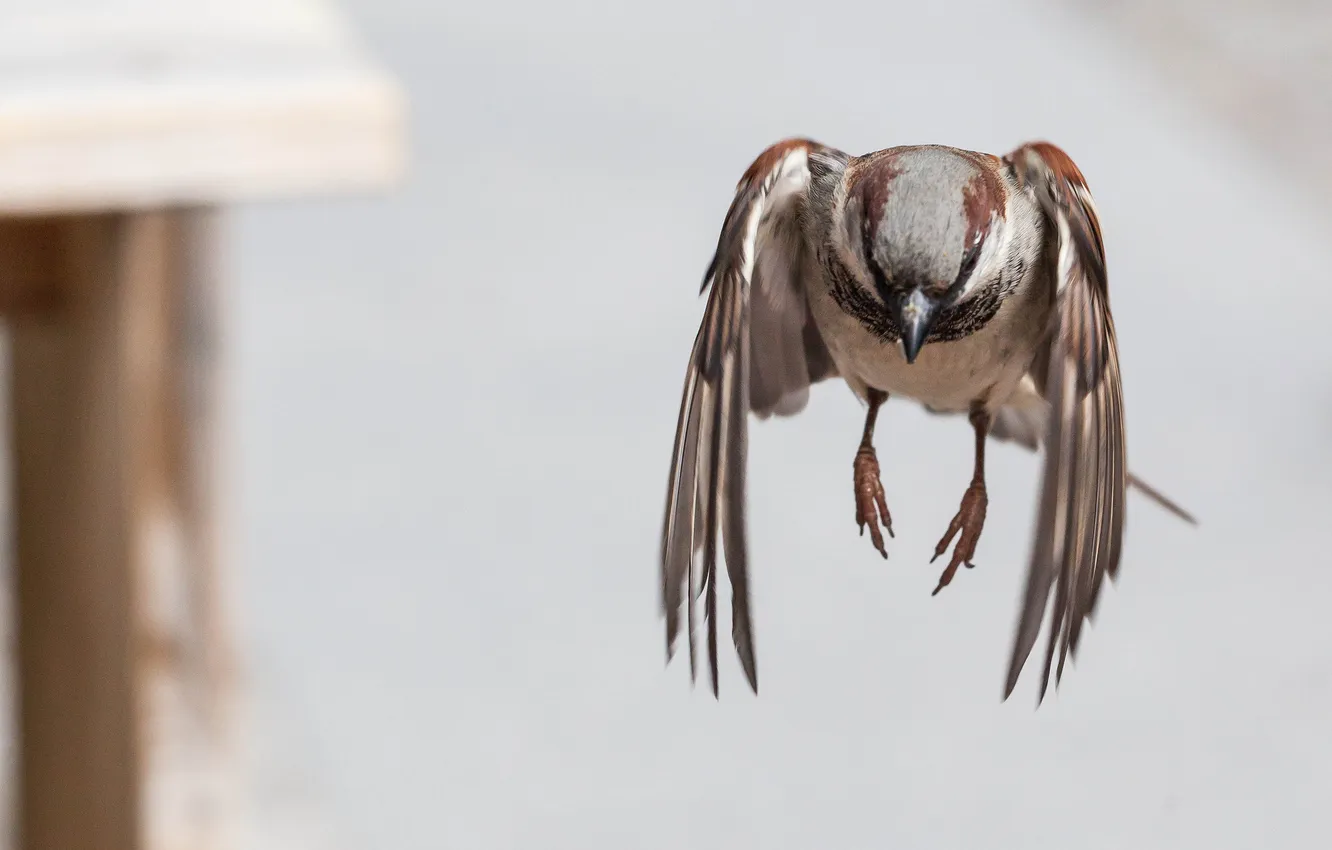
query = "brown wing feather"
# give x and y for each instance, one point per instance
(1025, 424)
(1080, 518)
(787, 352)
(757, 349)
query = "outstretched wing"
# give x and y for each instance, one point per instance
(757, 349)
(1080, 520)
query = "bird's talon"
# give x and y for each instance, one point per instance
(970, 519)
(871, 506)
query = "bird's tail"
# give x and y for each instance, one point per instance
(1161, 499)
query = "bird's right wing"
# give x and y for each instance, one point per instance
(1025, 421)
(1080, 520)
(757, 350)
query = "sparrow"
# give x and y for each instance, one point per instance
(970, 283)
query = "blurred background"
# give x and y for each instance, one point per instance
(454, 406)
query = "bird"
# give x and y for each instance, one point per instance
(968, 283)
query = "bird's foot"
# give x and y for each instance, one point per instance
(970, 520)
(871, 507)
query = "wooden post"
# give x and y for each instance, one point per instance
(185, 667)
(85, 447)
(197, 445)
(123, 665)
(127, 124)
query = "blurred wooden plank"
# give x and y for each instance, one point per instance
(108, 104)
(126, 733)
(82, 444)
(29, 264)
(194, 797)
(198, 449)
(123, 125)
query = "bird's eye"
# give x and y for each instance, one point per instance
(969, 261)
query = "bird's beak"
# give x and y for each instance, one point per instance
(915, 316)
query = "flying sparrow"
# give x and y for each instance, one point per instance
(970, 283)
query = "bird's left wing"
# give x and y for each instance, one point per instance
(757, 350)
(1080, 519)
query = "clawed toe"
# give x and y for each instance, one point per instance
(871, 505)
(969, 521)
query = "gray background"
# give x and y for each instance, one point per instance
(455, 408)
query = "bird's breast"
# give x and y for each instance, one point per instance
(981, 355)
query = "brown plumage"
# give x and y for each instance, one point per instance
(970, 283)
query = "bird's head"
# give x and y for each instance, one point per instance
(919, 219)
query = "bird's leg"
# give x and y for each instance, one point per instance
(871, 508)
(970, 517)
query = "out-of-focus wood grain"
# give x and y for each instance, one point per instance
(83, 447)
(192, 782)
(30, 261)
(124, 125)
(125, 720)
(197, 447)
(108, 104)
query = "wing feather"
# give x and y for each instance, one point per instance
(1080, 516)
(757, 350)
